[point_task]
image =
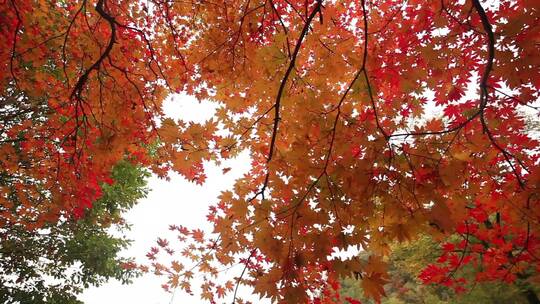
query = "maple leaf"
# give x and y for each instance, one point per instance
(441, 216)
(162, 242)
(198, 235)
(372, 286)
(220, 291)
(452, 111)
(176, 266)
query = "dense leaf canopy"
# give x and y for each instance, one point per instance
(367, 123)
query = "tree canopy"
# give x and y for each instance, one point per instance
(367, 121)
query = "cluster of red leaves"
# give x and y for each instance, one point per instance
(82, 85)
(498, 250)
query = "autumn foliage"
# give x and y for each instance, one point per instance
(367, 122)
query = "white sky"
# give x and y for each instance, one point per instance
(177, 201)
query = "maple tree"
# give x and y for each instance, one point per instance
(367, 122)
(334, 101)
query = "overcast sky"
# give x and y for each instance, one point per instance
(177, 201)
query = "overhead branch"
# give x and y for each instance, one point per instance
(77, 89)
(281, 90)
(484, 93)
(14, 44)
(368, 84)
